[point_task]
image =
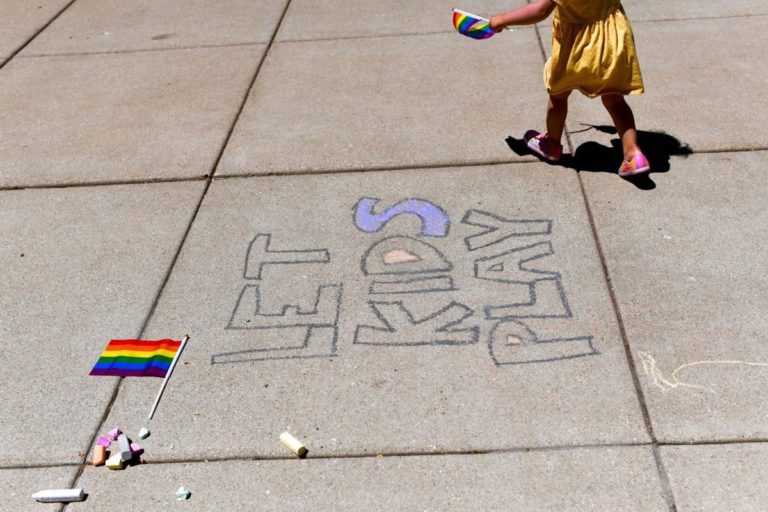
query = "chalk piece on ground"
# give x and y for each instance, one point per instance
(124, 447)
(115, 462)
(293, 444)
(103, 441)
(59, 495)
(136, 449)
(114, 433)
(143, 433)
(99, 455)
(183, 494)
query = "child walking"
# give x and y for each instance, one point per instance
(593, 51)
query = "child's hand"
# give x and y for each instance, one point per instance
(495, 24)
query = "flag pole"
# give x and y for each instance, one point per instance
(168, 375)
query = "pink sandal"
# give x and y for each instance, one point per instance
(543, 146)
(638, 165)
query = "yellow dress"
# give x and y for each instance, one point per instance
(593, 50)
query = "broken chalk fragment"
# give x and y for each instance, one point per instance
(136, 449)
(59, 495)
(114, 433)
(115, 462)
(99, 455)
(293, 444)
(124, 447)
(143, 433)
(103, 441)
(183, 494)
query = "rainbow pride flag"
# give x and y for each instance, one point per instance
(472, 25)
(136, 358)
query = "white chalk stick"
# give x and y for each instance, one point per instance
(143, 433)
(59, 495)
(293, 444)
(125, 447)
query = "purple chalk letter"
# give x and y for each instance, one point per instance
(434, 221)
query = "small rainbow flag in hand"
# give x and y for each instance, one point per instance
(472, 25)
(137, 358)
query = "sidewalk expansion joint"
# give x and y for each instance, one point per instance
(148, 319)
(716, 151)
(374, 455)
(264, 57)
(163, 284)
(86, 184)
(37, 33)
(714, 442)
(662, 472)
(51, 465)
(702, 18)
(660, 469)
(144, 50)
(405, 167)
(142, 330)
(350, 170)
(397, 454)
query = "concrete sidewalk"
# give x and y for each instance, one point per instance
(331, 198)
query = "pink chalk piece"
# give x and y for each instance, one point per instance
(136, 449)
(115, 433)
(103, 441)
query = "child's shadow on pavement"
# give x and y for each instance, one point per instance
(592, 156)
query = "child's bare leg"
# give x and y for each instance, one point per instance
(557, 110)
(624, 121)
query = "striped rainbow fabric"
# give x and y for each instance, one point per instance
(136, 358)
(472, 25)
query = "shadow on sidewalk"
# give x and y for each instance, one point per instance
(592, 156)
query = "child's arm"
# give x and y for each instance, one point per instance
(529, 14)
